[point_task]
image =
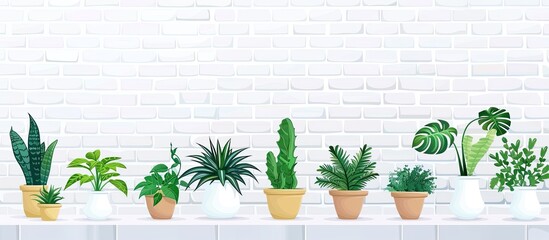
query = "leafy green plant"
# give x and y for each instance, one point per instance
(280, 170)
(221, 164)
(519, 167)
(347, 175)
(163, 186)
(437, 137)
(101, 172)
(49, 196)
(416, 179)
(34, 160)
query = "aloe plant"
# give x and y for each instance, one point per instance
(347, 175)
(437, 137)
(280, 170)
(49, 196)
(34, 159)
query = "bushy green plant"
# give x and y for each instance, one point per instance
(221, 164)
(101, 172)
(519, 167)
(163, 186)
(437, 137)
(347, 175)
(51, 196)
(280, 170)
(34, 160)
(416, 179)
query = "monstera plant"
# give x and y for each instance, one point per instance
(437, 137)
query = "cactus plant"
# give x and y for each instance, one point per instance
(280, 170)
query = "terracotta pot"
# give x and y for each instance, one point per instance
(163, 210)
(348, 204)
(409, 204)
(30, 206)
(49, 212)
(284, 203)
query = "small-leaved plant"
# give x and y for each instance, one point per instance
(345, 174)
(280, 170)
(49, 196)
(101, 172)
(163, 186)
(519, 167)
(409, 179)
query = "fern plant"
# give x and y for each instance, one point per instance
(416, 179)
(34, 159)
(51, 196)
(280, 170)
(347, 175)
(221, 164)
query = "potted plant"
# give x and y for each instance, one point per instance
(409, 188)
(101, 173)
(35, 162)
(162, 192)
(222, 168)
(283, 199)
(48, 202)
(439, 136)
(521, 171)
(347, 178)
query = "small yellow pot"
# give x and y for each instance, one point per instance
(284, 203)
(49, 212)
(30, 206)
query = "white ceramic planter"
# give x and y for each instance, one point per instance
(467, 202)
(98, 206)
(525, 204)
(220, 201)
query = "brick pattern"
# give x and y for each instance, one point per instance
(131, 76)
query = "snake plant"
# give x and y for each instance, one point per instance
(34, 158)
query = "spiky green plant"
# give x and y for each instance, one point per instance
(416, 179)
(34, 160)
(280, 170)
(49, 196)
(221, 164)
(347, 175)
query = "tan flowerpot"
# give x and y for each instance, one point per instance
(163, 210)
(409, 204)
(30, 206)
(284, 203)
(49, 212)
(348, 204)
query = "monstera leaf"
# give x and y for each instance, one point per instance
(434, 138)
(495, 118)
(474, 152)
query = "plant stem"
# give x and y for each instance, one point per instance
(461, 172)
(464, 163)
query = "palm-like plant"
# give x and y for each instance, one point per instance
(221, 164)
(347, 175)
(437, 137)
(49, 196)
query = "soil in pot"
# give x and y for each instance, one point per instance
(409, 204)
(284, 203)
(163, 210)
(30, 206)
(348, 204)
(49, 212)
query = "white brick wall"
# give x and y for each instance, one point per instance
(131, 76)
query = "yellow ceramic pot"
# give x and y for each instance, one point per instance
(30, 206)
(284, 203)
(49, 212)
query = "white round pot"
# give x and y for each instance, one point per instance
(467, 202)
(220, 201)
(98, 206)
(525, 204)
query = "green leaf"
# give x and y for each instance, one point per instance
(73, 179)
(171, 191)
(77, 163)
(90, 156)
(46, 163)
(121, 185)
(495, 118)
(183, 183)
(475, 152)
(96, 154)
(35, 151)
(21, 154)
(159, 168)
(85, 179)
(434, 138)
(148, 189)
(140, 185)
(272, 171)
(157, 198)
